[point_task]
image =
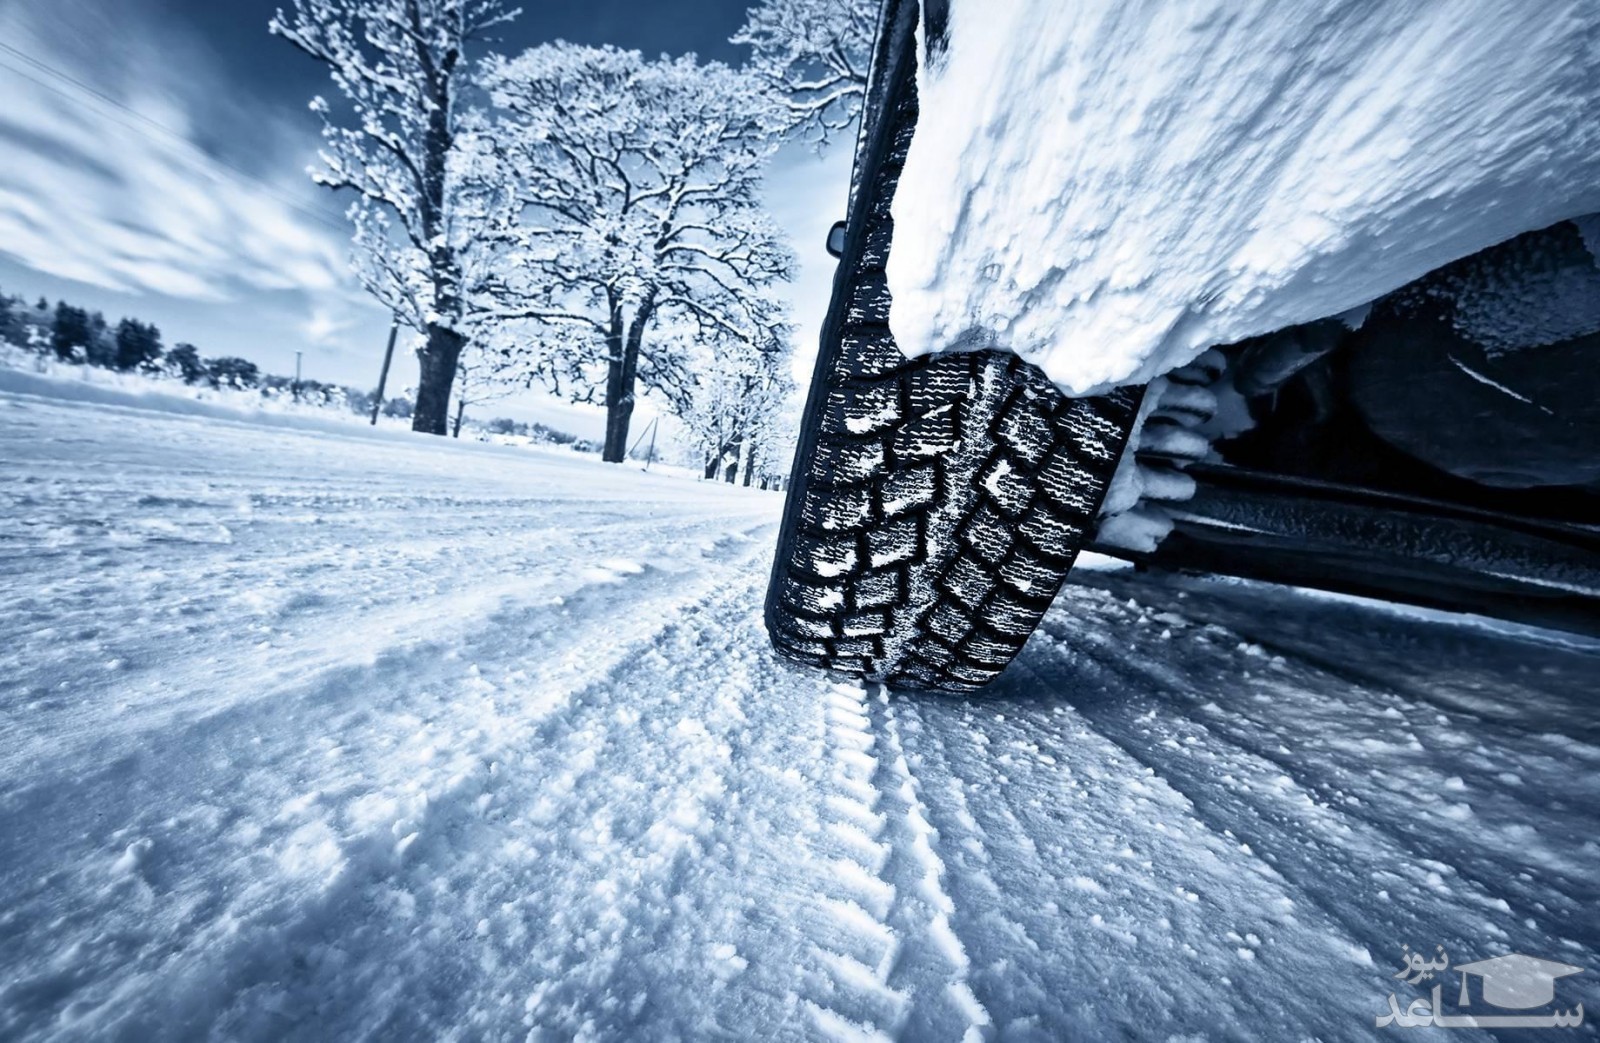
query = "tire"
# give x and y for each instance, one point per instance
(936, 504)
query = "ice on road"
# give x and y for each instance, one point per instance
(308, 735)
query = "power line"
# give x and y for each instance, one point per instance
(316, 213)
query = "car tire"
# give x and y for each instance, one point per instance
(936, 503)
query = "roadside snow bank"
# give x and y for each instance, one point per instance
(1108, 187)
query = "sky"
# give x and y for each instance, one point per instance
(156, 157)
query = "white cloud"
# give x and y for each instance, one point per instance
(327, 324)
(94, 192)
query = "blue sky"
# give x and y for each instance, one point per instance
(156, 155)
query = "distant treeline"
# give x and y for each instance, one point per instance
(537, 432)
(81, 337)
(84, 338)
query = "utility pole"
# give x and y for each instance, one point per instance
(383, 374)
(297, 376)
(651, 430)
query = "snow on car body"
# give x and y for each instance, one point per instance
(1109, 188)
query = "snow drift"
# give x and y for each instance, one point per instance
(1108, 187)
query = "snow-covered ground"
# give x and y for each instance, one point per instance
(312, 734)
(1108, 187)
(27, 372)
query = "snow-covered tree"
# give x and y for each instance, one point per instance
(232, 372)
(481, 377)
(402, 141)
(636, 217)
(38, 324)
(813, 55)
(735, 412)
(138, 344)
(183, 361)
(70, 334)
(102, 348)
(12, 329)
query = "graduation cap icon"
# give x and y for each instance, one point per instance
(1515, 981)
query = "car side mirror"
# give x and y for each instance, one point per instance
(836, 239)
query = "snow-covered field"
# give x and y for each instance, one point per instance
(315, 734)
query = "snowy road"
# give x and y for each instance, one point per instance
(364, 736)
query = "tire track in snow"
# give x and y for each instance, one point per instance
(1298, 813)
(931, 965)
(547, 745)
(313, 582)
(1103, 866)
(995, 938)
(604, 809)
(391, 636)
(851, 1000)
(906, 975)
(660, 817)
